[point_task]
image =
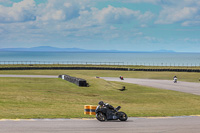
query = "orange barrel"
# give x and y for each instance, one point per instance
(92, 109)
(86, 109)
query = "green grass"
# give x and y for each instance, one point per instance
(182, 76)
(56, 98)
(115, 66)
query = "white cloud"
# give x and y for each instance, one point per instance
(186, 12)
(191, 40)
(150, 38)
(143, 26)
(171, 15)
(61, 10)
(54, 10)
(71, 20)
(112, 14)
(27, 10)
(19, 12)
(163, 2)
(191, 23)
(146, 16)
(115, 15)
(140, 1)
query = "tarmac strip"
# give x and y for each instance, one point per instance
(187, 87)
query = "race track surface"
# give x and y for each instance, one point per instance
(187, 124)
(187, 87)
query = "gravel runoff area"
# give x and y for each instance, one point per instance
(187, 87)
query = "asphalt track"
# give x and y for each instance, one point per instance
(184, 124)
(187, 87)
(187, 124)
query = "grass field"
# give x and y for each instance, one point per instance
(115, 66)
(56, 98)
(182, 76)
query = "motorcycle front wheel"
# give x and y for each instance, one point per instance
(123, 116)
(100, 116)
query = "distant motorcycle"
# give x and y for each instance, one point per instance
(121, 78)
(104, 114)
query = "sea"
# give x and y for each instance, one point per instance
(146, 59)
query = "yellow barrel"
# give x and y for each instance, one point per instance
(92, 109)
(86, 109)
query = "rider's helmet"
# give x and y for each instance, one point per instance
(101, 103)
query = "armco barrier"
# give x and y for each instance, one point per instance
(63, 68)
(77, 81)
(97, 68)
(169, 70)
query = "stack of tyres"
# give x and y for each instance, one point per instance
(90, 109)
(81, 82)
(77, 81)
(86, 109)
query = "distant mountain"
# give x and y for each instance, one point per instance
(55, 49)
(43, 48)
(164, 51)
(48, 48)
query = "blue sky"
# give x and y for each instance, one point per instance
(132, 25)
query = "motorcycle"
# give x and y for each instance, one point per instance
(104, 114)
(121, 78)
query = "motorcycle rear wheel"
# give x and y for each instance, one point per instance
(123, 116)
(101, 117)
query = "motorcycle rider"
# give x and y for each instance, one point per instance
(175, 79)
(121, 77)
(108, 108)
(105, 105)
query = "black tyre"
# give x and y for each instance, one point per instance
(122, 116)
(100, 116)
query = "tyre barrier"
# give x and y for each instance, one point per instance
(78, 81)
(86, 109)
(89, 109)
(92, 109)
(97, 68)
(63, 68)
(168, 70)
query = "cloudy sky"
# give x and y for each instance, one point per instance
(133, 25)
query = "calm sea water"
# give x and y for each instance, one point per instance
(153, 59)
